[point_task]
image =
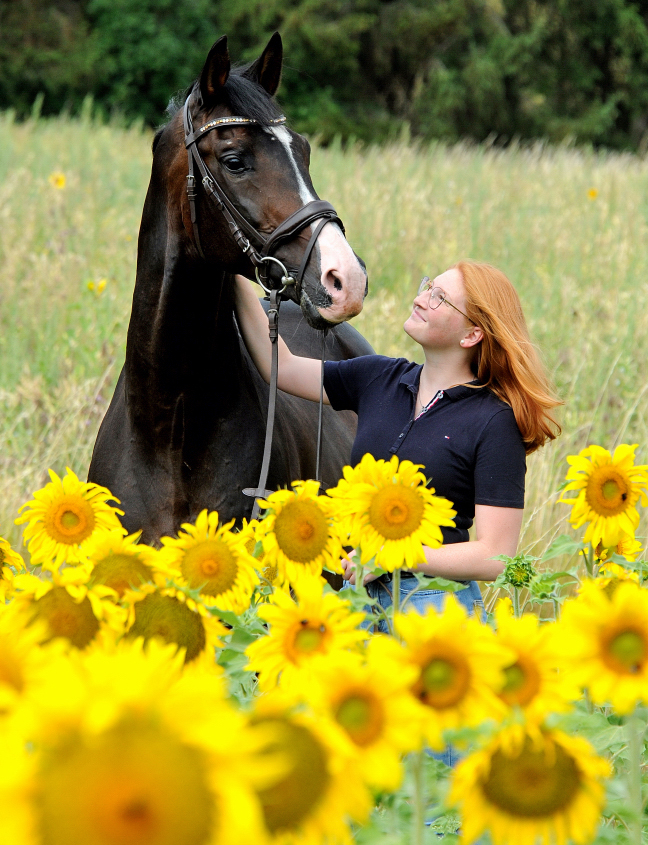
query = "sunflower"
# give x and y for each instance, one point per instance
(609, 488)
(319, 786)
(302, 631)
(369, 699)
(214, 561)
(531, 787)
(120, 562)
(21, 656)
(533, 680)
(459, 665)
(607, 643)
(62, 516)
(69, 606)
(129, 749)
(174, 615)
(9, 561)
(627, 547)
(298, 533)
(389, 513)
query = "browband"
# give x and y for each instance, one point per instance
(228, 121)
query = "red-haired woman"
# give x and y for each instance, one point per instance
(470, 414)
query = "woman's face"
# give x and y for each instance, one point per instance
(443, 326)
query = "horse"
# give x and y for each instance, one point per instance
(185, 428)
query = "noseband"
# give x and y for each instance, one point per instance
(257, 246)
(259, 249)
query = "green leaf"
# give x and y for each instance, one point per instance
(563, 545)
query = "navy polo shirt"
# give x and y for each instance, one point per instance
(468, 441)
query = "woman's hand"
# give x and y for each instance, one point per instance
(349, 570)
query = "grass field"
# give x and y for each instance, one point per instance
(568, 226)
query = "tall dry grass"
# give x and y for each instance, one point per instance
(568, 227)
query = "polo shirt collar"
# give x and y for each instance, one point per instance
(412, 377)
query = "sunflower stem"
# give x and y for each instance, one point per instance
(359, 570)
(516, 602)
(589, 561)
(418, 818)
(396, 581)
(636, 731)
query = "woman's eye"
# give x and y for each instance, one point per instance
(233, 163)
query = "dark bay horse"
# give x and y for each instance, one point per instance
(185, 428)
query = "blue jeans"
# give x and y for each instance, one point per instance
(381, 589)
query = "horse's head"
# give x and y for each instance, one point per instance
(259, 169)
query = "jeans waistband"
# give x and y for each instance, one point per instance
(387, 578)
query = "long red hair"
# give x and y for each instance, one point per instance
(506, 360)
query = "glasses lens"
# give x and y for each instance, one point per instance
(437, 296)
(426, 284)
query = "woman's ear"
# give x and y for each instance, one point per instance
(472, 337)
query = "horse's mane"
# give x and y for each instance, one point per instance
(241, 95)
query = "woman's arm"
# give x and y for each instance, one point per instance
(297, 375)
(497, 531)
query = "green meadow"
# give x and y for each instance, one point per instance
(568, 226)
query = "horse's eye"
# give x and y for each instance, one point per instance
(233, 163)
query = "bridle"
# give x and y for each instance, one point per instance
(259, 248)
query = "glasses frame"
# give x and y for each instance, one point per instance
(428, 285)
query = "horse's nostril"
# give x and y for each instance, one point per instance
(337, 284)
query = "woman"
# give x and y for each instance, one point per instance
(470, 414)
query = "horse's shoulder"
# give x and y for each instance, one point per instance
(342, 341)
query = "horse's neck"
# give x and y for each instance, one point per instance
(182, 340)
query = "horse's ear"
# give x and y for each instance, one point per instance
(267, 68)
(216, 70)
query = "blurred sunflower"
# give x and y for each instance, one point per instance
(9, 561)
(319, 787)
(302, 631)
(133, 751)
(389, 513)
(120, 562)
(69, 606)
(609, 487)
(214, 561)
(612, 574)
(606, 642)
(297, 532)
(531, 787)
(174, 616)
(62, 516)
(533, 680)
(21, 656)
(369, 699)
(459, 663)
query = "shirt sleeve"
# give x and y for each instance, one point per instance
(500, 465)
(344, 381)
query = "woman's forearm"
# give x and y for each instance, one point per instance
(297, 375)
(470, 561)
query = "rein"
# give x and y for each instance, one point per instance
(259, 248)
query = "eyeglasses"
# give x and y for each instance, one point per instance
(437, 296)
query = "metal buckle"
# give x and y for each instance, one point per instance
(286, 279)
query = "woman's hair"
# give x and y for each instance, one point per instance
(506, 360)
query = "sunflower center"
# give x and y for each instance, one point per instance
(121, 572)
(309, 638)
(70, 520)
(67, 618)
(444, 679)
(608, 491)
(211, 566)
(302, 530)
(521, 683)
(289, 802)
(362, 717)
(535, 784)
(396, 511)
(172, 621)
(625, 651)
(133, 785)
